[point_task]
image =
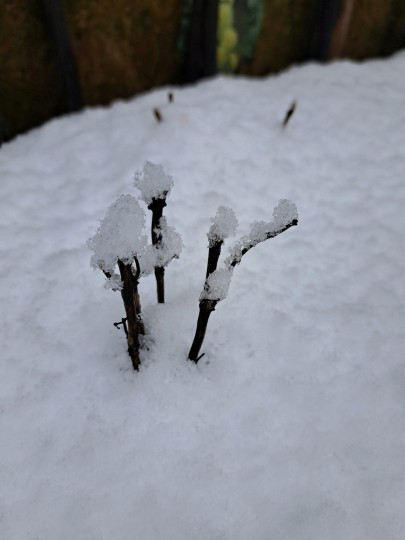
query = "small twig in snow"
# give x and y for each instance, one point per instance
(289, 113)
(124, 325)
(157, 114)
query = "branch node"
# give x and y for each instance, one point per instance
(124, 325)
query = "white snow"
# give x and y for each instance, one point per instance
(283, 214)
(217, 284)
(292, 426)
(224, 224)
(153, 182)
(119, 236)
(161, 254)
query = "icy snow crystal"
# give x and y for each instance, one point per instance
(224, 224)
(217, 284)
(153, 182)
(119, 235)
(160, 255)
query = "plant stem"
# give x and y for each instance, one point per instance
(214, 252)
(132, 304)
(206, 308)
(156, 208)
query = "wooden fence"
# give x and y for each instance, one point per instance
(57, 56)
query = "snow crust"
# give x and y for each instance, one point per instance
(224, 224)
(119, 236)
(292, 426)
(153, 182)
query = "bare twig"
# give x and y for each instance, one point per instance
(157, 114)
(156, 207)
(132, 304)
(206, 307)
(124, 325)
(214, 252)
(170, 97)
(289, 113)
(271, 234)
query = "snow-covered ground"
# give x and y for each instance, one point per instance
(292, 426)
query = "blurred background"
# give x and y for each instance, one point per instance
(58, 56)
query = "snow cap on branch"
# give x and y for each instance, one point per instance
(119, 236)
(217, 284)
(224, 224)
(285, 212)
(284, 216)
(161, 254)
(153, 182)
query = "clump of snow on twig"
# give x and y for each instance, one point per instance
(284, 214)
(217, 284)
(153, 182)
(119, 236)
(224, 224)
(161, 254)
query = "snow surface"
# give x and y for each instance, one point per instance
(292, 426)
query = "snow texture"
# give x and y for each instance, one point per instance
(292, 425)
(153, 182)
(114, 282)
(217, 284)
(160, 255)
(283, 214)
(119, 236)
(224, 224)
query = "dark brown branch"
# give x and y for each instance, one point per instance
(157, 114)
(124, 325)
(270, 234)
(289, 113)
(132, 304)
(156, 207)
(206, 308)
(214, 252)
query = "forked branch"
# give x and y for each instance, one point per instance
(217, 281)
